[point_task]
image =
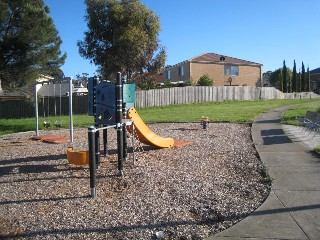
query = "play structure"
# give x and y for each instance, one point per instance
(57, 123)
(145, 134)
(108, 104)
(77, 157)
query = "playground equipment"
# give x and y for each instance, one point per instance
(77, 157)
(205, 122)
(106, 103)
(145, 134)
(57, 123)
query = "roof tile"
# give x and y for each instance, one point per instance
(213, 57)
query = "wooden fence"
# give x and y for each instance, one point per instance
(149, 98)
(190, 94)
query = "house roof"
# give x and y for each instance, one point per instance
(315, 71)
(6, 95)
(218, 58)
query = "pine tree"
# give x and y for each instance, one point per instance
(294, 77)
(29, 42)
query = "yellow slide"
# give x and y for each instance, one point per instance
(145, 134)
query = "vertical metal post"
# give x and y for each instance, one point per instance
(133, 143)
(92, 161)
(36, 108)
(119, 123)
(125, 141)
(105, 142)
(70, 110)
(97, 148)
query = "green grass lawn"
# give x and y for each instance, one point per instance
(227, 111)
(288, 117)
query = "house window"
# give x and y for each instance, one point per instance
(168, 74)
(231, 70)
(181, 71)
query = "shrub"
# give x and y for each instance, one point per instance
(205, 80)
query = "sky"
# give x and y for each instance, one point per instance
(262, 31)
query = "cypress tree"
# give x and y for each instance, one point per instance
(284, 77)
(280, 80)
(289, 84)
(299, 82)
(294, 77)
(303, 79)
(308, 89)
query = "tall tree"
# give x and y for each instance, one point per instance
(284, 77)
(275, 79)
(122, 36)
(29, 42)
(289, 80)
(299, 82)
(303, 78)
(308, 82)
(280, 80)
(294, 77)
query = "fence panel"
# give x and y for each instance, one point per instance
(16, 108)
(47, 106)
(54, 106)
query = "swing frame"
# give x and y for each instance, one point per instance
(70, 106)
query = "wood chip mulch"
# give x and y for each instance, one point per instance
(187, 192)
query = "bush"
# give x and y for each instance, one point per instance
(204, 80)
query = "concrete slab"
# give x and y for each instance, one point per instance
(270, 221)
(294, 178)
(280, 147)
(292, 210)
(295, 159)
(304, 207)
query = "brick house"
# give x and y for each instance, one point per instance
(315, 80)
(224, 71)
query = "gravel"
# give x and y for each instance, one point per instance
(189, 192)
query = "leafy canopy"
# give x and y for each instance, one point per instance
(205, 80)
(122, 37)
(29, 42)
(276, 77)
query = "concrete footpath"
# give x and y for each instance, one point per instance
(292, 210)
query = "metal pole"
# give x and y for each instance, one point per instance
(36, 108)
(125, 143)
(133, 144)
(70, 110)
(97, 147)
(92, 161)
(119, 123)
(105, 142)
